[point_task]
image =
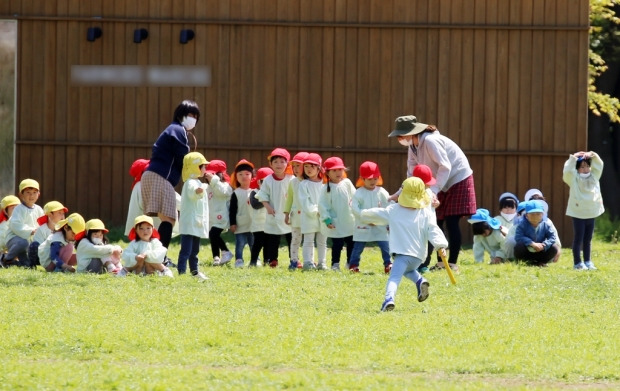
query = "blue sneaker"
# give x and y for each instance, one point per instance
(388, 305)
(422, 269)
(293, 265)
(590, 265)
(422, 286)
(580, 266)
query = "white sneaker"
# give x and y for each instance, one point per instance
(122, 273)
(216, 261)
(200, 277)
(166, 272)
(336, 267)
(226, 257)
(239, 263)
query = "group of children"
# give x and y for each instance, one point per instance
(524, 231)
(305, 200)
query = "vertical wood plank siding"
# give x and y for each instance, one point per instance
(505, 80)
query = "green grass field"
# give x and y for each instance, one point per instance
(501, 327)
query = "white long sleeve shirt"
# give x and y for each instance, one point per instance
(194, 217)
(309, 195)
(87, 251)
(584, 200)
(155, 252)
(23, 221)
(410, 229)
(219, 193)
(493, 244)
(366, 199)
(336, 206)
(275, 192)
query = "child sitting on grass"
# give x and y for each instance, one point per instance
(54, 212)
(145, 253)
(412, 225)
(7, 205)
(56, 252)
(23, 224)
(489, 236)
(535, 238)
(94, 253)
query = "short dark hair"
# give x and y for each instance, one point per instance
(480, 227)
(587, 160)
(184, 108)
(507, 202)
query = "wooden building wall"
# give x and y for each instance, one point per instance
(506, 80)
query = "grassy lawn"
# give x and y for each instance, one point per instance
(506, 326)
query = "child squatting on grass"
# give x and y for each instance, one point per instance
(535, 239)
(412, 225)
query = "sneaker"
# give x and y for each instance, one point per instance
(309, 266)
(354, 269)
(122, 273)
(322, 266)
(454, 267)
(422, 269)
(580, 266)
(200, 277)
(273, 263)
(216, 261)
(166, 272)
(239, 263)
(388, 268)
(422, 286)
(388, 305)
(226, 257)
(293, 266)
(336, 267)
(438, 266)
(590, 265)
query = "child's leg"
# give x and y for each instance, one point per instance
(356, 255)
(270, 251)
(288, 237)
(184, 253)
(349, 243)
(384, 245)
(337, 245)
(412, 269)
(579, 228)
(193, 255)
(95, 266)
(259, 242)
(587, 239)
(240, 242)
(454, 238)
(399, 267)
(296, 239)
(308, 250)
(321, 249)
(33, 254)
(17, 248)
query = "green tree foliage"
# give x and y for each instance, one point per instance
(604, 38)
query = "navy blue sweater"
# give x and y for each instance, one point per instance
(168, 152)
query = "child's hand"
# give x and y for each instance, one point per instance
(270, 210)
(435, 202)
(537, 246)
(286, 218)
(331, 226)
(442, 252)
(393, 197)
(497, 260)
(233, 228)
(140, 257)
(199, 190)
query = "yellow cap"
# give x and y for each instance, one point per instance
(191, 165)
(54, 206)
(75, 221)
(96, 225)
(8, 201)
(142, 219)
(26, 183)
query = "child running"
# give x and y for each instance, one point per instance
(582, 173)
(310, 226)
(240, 212)
(145, 253)
(370, 194)
(194, 218)
(94, 252)
(412, 225)
(335, 211)
(56, 252)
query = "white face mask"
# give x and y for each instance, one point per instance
(189, 123)
(508, 216)
(405, 142)
(585, 175)
(97, 241)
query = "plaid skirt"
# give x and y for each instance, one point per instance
(158, 195)
(459, 200)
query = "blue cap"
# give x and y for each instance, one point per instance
(508, 195)
(534, 206)
(494, 223)
(480, 216)
(521, 206)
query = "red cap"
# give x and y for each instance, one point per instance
(216, 166)
(300, 157)
(279, 152)
(333, 163)
(261, 174)
(424, 172)
(369, 170)
(313, 158)
(137, 169)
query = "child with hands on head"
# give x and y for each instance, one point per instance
(412, 225)
(335, 211)
(194, 218)
(240, 212)
(7, 205)
(310, 225)
(292, 214)
(145, 253)
(54, 212)
(370, 194)
(582, 173)
(273, 194)
(93, 251)
(56, 252)
(219, 192)
(23, 224)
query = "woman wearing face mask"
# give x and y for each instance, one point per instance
(454, 177)
(165, 167)
(582, 172)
